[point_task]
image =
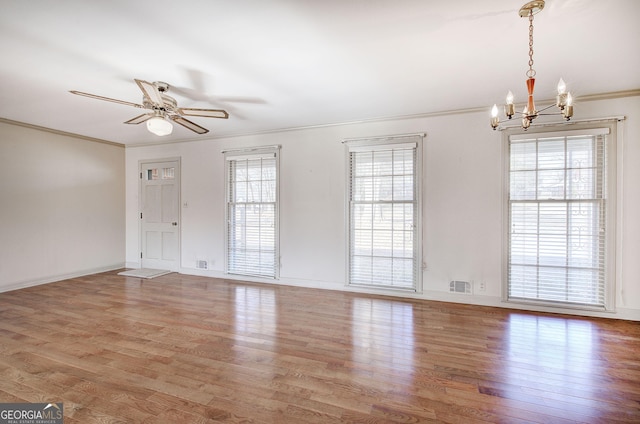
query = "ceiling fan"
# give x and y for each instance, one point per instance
(162, 107)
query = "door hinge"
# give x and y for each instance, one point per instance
(140, 215)
(141, 175)
(140, 255)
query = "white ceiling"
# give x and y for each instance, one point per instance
(279, 64)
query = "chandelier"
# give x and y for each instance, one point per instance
(564, 100)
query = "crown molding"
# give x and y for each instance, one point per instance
(585, 98)
(58, 132)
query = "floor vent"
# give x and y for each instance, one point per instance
(460, 287)
(202, 265)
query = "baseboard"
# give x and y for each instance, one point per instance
(479, 300)
(282, 281)
(497, 302)
(53, 279)
(491, 301)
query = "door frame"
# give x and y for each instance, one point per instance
(141, 163)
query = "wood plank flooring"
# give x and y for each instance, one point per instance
(185, 349)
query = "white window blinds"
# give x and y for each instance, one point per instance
(558, 217)
(252, 212)
(383, 213)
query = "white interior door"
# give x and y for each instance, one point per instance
(160, 216)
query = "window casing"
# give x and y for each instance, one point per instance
(384, 210)
(252, 245)
(560, 205)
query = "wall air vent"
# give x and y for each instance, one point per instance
(460, 287)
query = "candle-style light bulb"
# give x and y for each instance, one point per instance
(561, 98)
(562, 87)
(526, 122)
(567, 112)
(494, 117)
(509, 108)
(509, 98)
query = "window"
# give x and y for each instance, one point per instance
(252, 212)
(384, 210)
(167, 174)
(561, 198)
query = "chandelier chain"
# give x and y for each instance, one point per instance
(531, 72)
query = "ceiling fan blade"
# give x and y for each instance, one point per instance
(140, 119)
(207, 113)
(190, 125)
(93, 96)
(151, 91)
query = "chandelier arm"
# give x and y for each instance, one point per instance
(548, 107)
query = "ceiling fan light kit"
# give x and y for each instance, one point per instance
(163, 108)
(159, 126)
(564, 101)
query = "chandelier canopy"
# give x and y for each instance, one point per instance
(564, 100)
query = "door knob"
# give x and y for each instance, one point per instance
(175, 224)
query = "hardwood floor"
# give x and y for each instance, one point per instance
(185, 349)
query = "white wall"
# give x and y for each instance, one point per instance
(61, 206)
(462, 201)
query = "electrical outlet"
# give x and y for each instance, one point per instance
(482, 287)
